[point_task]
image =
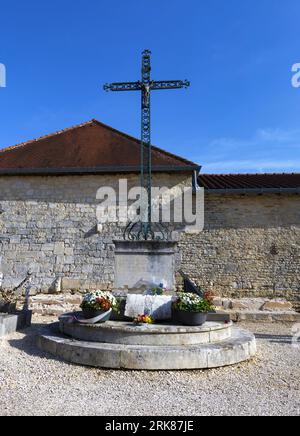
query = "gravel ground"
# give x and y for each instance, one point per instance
(34, 383)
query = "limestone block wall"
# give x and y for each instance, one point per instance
(250, 247)
(49, 225)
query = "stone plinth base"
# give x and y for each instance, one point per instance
(140, 262)
(156, 334)
(118, 345)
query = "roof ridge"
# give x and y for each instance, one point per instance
(49, 135)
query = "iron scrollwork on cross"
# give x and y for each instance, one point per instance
(156, 232)
(144, 228)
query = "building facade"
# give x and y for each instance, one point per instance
(48, 222)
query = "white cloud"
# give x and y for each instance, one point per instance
(251, 166)
(268, 150)
(261, 137)
(279, 135)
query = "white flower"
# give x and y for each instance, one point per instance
(91, 297)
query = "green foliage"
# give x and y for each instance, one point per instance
(192, 303)
(157, 291)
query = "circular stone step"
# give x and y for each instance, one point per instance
(126, 333)
(240, 347)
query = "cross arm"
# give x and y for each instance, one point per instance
(170, 84)
(123, 86)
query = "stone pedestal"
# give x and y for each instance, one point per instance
(122, 345)
(159, 307)
(138, 263)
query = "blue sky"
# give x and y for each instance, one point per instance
(240, 115)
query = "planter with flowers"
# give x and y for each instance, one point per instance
(98, 305)
(191, 309)
(143, 319)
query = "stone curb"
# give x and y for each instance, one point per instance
(260, 316)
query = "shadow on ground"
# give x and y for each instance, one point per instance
(277, 339)
(28, 343)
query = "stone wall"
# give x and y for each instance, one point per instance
(49, 226)
(250, 247)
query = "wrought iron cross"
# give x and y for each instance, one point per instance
(146, 85)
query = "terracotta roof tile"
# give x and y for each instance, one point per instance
(249, 181)
(88, 147)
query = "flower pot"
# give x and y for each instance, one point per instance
(189, 318)
(91, 314)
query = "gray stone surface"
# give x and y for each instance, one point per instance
(267, 385)
(240, 347)
(137, 262)
(8, 324)
(277, 306)
(253, 304)
(11, 323)
(155, 335)
(260, 316)
(158, 306)
(218, 317)
(234, 256)
(49, 225)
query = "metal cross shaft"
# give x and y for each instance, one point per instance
(145, 86)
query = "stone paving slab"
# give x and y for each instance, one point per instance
(260, 316)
